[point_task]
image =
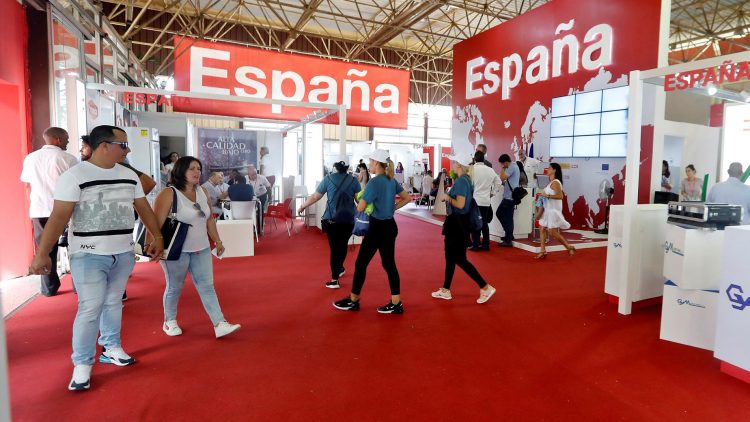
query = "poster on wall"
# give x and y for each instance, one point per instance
(504, 80)
(226, 149)
(100, 109)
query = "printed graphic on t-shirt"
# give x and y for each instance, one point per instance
(105, 208)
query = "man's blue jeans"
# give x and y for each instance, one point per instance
(100, 282)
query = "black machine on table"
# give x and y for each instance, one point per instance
(704, 215)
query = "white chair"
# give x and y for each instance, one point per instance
(245, 210)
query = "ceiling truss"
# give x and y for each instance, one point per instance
(417, 35)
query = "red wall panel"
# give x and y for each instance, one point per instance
(17, 242)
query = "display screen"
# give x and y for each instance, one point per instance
(613, 145)
(586, 146)
(582, 123)
(561, 147)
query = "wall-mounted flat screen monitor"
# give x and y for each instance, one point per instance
(590, 124)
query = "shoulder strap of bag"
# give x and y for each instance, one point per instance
(173, 212)
(338, 190)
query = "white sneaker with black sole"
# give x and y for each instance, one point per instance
(116, 356)
(81, 379)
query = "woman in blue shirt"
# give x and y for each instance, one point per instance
(338, 231)
(380, 192)
(456, 230)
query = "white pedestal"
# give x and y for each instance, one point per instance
(689, 316)
(522, 216)
(732, 340)
(237, 236)
(647, 245)
(692, 257)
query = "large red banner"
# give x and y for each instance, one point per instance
(374, 96)
(504, 80)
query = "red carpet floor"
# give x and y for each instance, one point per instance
(548, 346)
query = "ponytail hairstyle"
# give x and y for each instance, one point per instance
(558, 171)
(390, 169)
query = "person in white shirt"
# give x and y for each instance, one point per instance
(486, 183)
(732, 191)
(216, 191)
(531, 166)
(427, 186)
(41, 169)
(97, 197)
(260, 186)
(266, 166)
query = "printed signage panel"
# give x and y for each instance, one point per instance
(504, 80)
(374, 96)
(226, 149)
(732, 341)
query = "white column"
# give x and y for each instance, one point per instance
(627, 284)
(342, 132)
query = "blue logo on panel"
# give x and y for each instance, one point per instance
(605, 167)
(735, 295)
(669, 246)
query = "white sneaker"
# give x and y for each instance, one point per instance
(81, 378)
(171, 328)
(116, 356)
(442, 294)
(486, 294)
(224, 328)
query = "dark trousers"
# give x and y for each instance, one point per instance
(455, 251)
(263, 199)
(505, 215)
(51, 281)
(486, 213)
(380, 237)
(338, 240)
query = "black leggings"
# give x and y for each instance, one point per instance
(380, 237)
(455, 251)
(338, 240)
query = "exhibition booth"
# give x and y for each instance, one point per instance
(687, 249)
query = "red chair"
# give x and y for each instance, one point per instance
(282, 212)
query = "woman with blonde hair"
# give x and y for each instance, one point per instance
(381, 235)
(456, 230)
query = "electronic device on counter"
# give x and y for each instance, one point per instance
(704, 215)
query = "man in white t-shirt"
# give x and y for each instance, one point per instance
(41, 169)
(98, 197)
(266, 166)
(260, 185)
(486, 183)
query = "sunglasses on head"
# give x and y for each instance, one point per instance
(123, 145)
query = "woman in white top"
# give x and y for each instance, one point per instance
(691, 188)
(192, 209)
(552, 220)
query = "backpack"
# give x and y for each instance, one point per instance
(523, 179)
(344, 204)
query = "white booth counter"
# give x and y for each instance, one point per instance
(732, 339)
(648, 242)
(692, 257)
(689, 316)
(523, 216)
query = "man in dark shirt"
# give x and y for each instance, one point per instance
(241, 191)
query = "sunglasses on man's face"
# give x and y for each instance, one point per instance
(123, 145)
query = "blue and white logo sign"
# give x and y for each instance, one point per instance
(736, 296)
(669, 246)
